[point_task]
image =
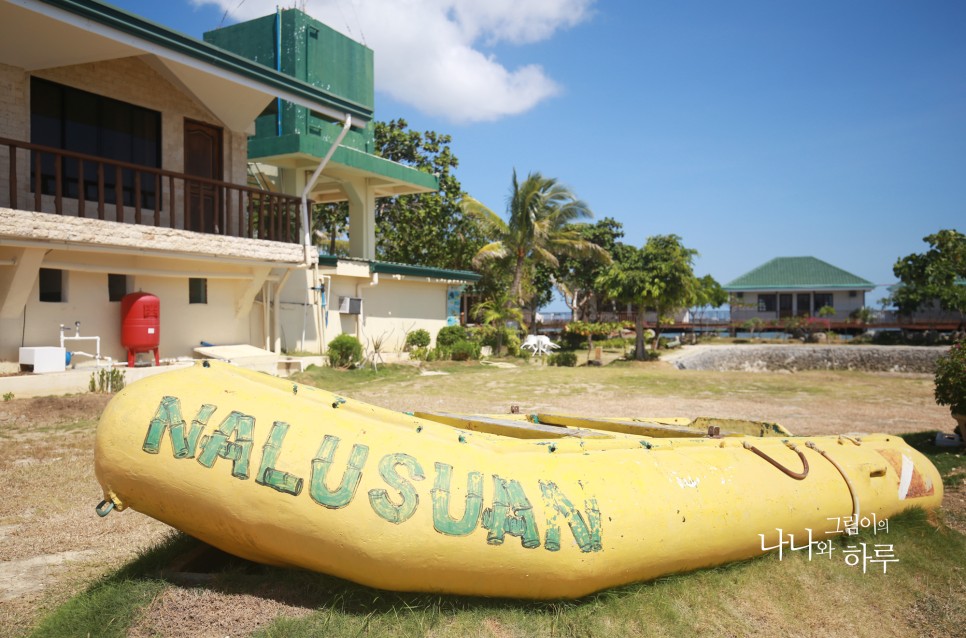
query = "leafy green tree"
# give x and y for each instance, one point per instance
(710, 293)
(576, 276)
(753, 325)
(330, 225)
(429, 229)
(495, 313)
(539, 292)
(659, 277)
(937, 275)
(590, 330)
(538, 229)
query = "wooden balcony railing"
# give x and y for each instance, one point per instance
(52, 180)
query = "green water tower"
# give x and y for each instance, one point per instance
(296, 44)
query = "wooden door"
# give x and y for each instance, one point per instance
(202, 158)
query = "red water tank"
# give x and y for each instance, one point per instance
(140, 325)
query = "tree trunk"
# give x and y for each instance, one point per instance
(639, 335)
(517, 281)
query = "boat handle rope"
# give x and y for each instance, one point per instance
(798, 476)
(855, 497)
(104, 508)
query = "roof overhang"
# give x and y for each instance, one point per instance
(301, 152)
(365, 267)
(44, 34)
(797, 288)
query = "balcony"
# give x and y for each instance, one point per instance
(51, 180)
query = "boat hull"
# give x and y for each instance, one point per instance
(291, 475)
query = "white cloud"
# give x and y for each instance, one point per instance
(427, 52)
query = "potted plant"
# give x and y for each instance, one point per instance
(951, 383)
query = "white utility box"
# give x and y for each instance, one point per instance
(43, 359)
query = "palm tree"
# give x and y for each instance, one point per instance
(541, 211)
(497, 313)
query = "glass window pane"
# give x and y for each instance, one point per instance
(51, 284)
(116, 287)
(197, 290)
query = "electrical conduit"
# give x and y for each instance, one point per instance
(312, 260)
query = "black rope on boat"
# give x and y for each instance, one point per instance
(798, 476)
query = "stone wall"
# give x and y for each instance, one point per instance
(794, 358)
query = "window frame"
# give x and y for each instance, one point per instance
(111, 290)
(79, 121)
(768, 302)
(819, 297)
(197, 290)
(46, 287)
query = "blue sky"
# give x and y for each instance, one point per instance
(752, 129)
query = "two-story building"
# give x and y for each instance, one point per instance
(135, 158)
(796, 287)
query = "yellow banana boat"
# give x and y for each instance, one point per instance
(541, 507)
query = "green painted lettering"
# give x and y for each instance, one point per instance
(168, 418)
(341, 496)
(197, 425)
(379, 499)
(586, 532)
(442, 521)
(511, 514)
(267, 474)
(239, 451)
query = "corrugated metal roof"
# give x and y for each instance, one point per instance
(797, 273)
(393, 268)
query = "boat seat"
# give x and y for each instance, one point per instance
(508, 427)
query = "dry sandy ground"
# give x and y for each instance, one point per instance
(52, 545)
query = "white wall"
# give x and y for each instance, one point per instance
(391, 309)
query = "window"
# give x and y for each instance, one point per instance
(116, 287)
(820, 300)
(767, 303)
(52, 285)
(803, 303)
(197, 290)
(82, 122)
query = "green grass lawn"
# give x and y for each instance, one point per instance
(920, 595)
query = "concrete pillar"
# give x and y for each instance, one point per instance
(362, 219)
(291, 180)
(13, 298)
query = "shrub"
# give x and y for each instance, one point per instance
(563, 359)
(417, 339)
(465, 350)
(106, 380)
(344, 351)
(511, 340)
(951, 378)
(419, 353)
(450, 336)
